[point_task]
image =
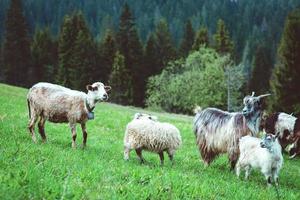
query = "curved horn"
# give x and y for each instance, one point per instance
(263, 95)
(253, 93)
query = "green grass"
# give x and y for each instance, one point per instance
(56, 171)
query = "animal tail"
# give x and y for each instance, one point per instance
(29, 110)
(197, 109)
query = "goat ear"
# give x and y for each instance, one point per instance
(137, 115)
(107, 88)
(153, 117)
(89, 87)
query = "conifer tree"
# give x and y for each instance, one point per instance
(121, 81)
(107, 51)
(201, 39)
(164, 44)
(260, 76)
(223, 43)
(130, 47)
(16, 49)
(285, 83)
(151, 57)
(66, 42)
(44, 55)
(188, 39)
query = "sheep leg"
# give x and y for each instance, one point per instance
(247, 172)
(84, 134)
(31, 126)
(41, 126)
(139, 153)
(126, 153)
(73, 131)
(170, 154)
(161, 156)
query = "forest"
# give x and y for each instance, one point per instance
(166, 55)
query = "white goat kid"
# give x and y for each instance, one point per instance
(264, 154)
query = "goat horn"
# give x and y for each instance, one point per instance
(253, 93)
(263, 95)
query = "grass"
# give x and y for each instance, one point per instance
(56, 171)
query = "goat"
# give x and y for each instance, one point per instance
(264, 154)
(219, 131)
(58, 104)
(288, 129)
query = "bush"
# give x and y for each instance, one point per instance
(183, 84)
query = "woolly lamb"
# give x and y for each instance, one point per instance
(144, 132)
(58, 104)
(264, 154)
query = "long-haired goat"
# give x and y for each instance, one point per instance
(58, 104)
(219, 131)
(288, 129)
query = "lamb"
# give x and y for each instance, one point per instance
(218, 131)
(264, 154)
(287, 127)
(58, 104)
(144, 132)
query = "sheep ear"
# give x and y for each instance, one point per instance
(89, 87)
(107, 88)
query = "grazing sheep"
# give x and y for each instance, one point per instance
(264, 154)
(288, 129)
(219, 131)
(144, 132)
(58, 104)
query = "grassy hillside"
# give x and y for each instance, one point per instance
(56, 171)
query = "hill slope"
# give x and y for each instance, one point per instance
(55, 171)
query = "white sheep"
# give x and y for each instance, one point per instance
(264, 154)
(58, 104)
(144, 132)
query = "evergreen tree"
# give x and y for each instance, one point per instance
(16, 50)
(188, 39)
(201, 39)
(164, 44)
(121, 81)
(223, 43)
(286, 81)
(262, 65)
(131, 48)
(107, 51)
(44, 55)
(84, 56)
(151, 56)
(66, 42)
(77, 53)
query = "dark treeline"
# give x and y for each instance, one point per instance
(76, 42)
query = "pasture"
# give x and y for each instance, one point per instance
(56, 171)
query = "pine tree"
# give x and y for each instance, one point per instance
(262, 65)
(188, 39)
(44, 55)
(107, 51)
(164, 44)
(84, 56)
(16, 49)
(66, 42)
(151, 56)
(223, 43)
(201, 39)
(130, 47)
(285, 83)
(121, 82)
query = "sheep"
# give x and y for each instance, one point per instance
(287, 127)
(144, 132)
(59, 104)
(264, 154)
(219, 131)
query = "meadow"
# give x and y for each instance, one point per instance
(56, 171)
